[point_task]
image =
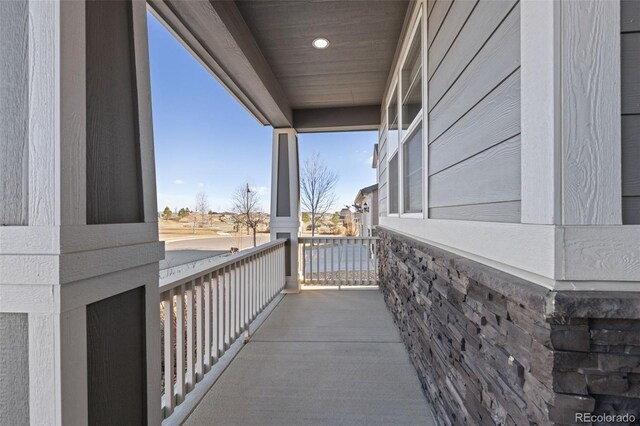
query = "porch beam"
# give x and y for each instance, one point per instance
(217, 35)
(571, 125)
(337, 119)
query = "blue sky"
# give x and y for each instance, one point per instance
(206, 141)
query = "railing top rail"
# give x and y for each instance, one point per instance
(337, 238)
(173, 281)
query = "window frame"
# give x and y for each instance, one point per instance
(382, 162)
(418, 28)
(416, 126)
(396, 213)
(395, 151)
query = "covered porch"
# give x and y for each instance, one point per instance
(513, 284)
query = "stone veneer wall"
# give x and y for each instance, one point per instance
(491, 348)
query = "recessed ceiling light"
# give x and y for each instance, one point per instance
(320, 43)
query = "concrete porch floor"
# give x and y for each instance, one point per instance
(322, 357)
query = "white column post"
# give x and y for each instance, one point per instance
(571, 112)
(57, 201)
(149, 203)
(55, 270)
(285, 198)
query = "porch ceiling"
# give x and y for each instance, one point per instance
(352, 71)
(261, 51)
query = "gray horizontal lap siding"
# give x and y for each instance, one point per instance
(630, 68)
(474, 110)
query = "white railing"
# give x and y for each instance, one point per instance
(204, 312)
(338, 261)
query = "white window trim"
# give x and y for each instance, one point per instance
(391, 152)
(425, 115)
(404, 135)
(396, 85)
(416, 15)
(410, 130)
(382, 140)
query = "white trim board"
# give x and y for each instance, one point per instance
(556, 257)
(55, 299)
(32, 269)
(145, 121)
(73, 238)
(571, 170)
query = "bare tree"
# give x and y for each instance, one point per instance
(202, 206)
(317, 184)
(246, 206)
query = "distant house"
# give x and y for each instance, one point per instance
(346, 217)
(366, 203)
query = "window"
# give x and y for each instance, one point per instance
(412, 172)
(392, 119)
(412, 81)
(411, 118)
(393, 139)
(393, 184)
(405, 131)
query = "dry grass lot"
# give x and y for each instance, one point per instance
(223, 224)
(218, 224)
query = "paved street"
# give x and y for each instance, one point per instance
(345, 257)
(179, 252)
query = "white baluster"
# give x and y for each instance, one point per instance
(180, 367)
(208, 327)
(190, 338)
(169, 341)
(199, 317)
(215, 290)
